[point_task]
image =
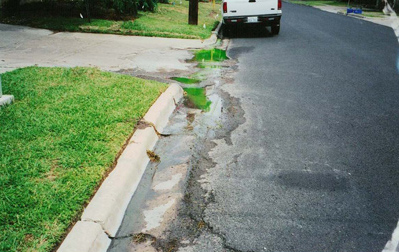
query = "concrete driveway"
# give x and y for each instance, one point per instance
(23, 46)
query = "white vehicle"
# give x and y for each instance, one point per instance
(261, 12)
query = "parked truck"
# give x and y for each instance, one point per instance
(248, 12)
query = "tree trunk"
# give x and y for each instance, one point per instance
(193, 12)
(88, 10)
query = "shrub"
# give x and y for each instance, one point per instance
(114, 9)
(11, 7)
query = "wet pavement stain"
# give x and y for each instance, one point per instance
(142, 237)
(326, 181)
(184, 160)
(196, 98)
(203, 65)
(153, 157)
(190, 117)
(185, 80)
(235, 52)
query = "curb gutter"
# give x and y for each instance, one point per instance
(214, 37)
(101, 219)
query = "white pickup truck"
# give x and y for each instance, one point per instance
(263, 12)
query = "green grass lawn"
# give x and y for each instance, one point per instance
(167, 21)
(374, 14)
(58, 140)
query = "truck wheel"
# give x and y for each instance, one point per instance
(276, 29)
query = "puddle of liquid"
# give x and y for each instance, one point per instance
(208, 65)
(185, 80)
(196, 98)
(212, 55)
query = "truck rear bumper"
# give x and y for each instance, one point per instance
(269, 19)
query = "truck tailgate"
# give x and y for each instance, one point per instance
(251, 7)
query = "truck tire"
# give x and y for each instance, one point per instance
(276, 28)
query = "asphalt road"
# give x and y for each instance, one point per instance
(300, 155)
(315, 165)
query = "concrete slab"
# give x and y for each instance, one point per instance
(24, 46)
(6, 99)
(85, 236)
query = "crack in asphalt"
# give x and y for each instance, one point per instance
(143, 124)
(225, 245)
(141, 237)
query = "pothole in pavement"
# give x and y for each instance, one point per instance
(185, 80)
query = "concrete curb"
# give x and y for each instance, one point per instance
(214, 37)
(102, 217)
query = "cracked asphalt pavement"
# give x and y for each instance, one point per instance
(303, 155)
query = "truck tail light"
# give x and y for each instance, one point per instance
(279, 4)
(225, 7)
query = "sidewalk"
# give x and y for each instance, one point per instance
(385, 20)
(23, 46)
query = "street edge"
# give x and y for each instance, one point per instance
(353, 15)
(214, 37)
(101, 219)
